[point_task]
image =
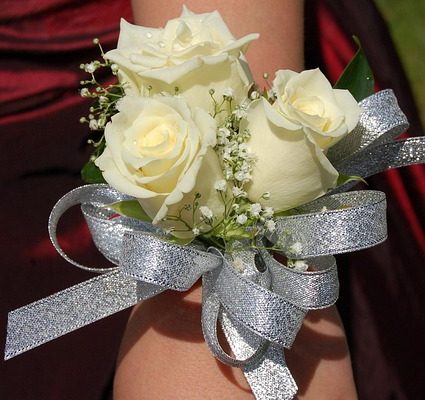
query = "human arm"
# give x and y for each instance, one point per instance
(163, 354)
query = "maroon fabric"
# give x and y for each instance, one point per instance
(381, 296)
(43, 148)
(42, 42)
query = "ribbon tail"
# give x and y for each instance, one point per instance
(269, 378)
(71, 309)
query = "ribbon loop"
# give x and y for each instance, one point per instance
(95, 195)
(310, 290)
(107, 236)
(381, 121)
(348, 222)
(211, 313)
(260, 310)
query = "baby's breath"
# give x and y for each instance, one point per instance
(242, 218)
(105, 99)
(206, 212)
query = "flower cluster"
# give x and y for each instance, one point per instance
(204, 153)
(106, 98)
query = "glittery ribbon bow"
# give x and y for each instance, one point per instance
(259, 302)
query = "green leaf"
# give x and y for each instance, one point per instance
(129, 208)
(286, 213)
(180, 241)
(357, 76)
(90, 173)
(343, 179)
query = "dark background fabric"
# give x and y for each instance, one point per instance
(43, 146)
(381, 288)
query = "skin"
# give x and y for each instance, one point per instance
(163, 354)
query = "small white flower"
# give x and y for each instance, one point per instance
(228, 92)
(268, 212)
(196, 231)
(221, 140)
(237, 192)
(243, 148)
(227, 153)
(90, 67)
(224, 132)
(235, 207)
(242, 176)
(233, 145)
(270, 225)
(84, 92)
(255, 95)
(238, 264)
(241, 219)
(240, 112)
(296, 248)
(206, 212)
(93, 125)
(255, 209)
(228, 173)
(101, 122)
(114, 67)
(246, 167)
(298, 265)
(223, 135)
(221, 185)
(103, 99)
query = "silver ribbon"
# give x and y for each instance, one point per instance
(370, 148)
(259, 302)
(334, 224)
(381, 121)
(260, 312)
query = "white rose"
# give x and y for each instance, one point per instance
(195, 52)
(161, 152)
(308, 101)
(289, 164)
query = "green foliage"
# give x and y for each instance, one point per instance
(180, 241)
(343, 179)
(129, 208)
(357, 76)
(90, 173)
(405, 20)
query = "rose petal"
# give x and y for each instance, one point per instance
(289, 165)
